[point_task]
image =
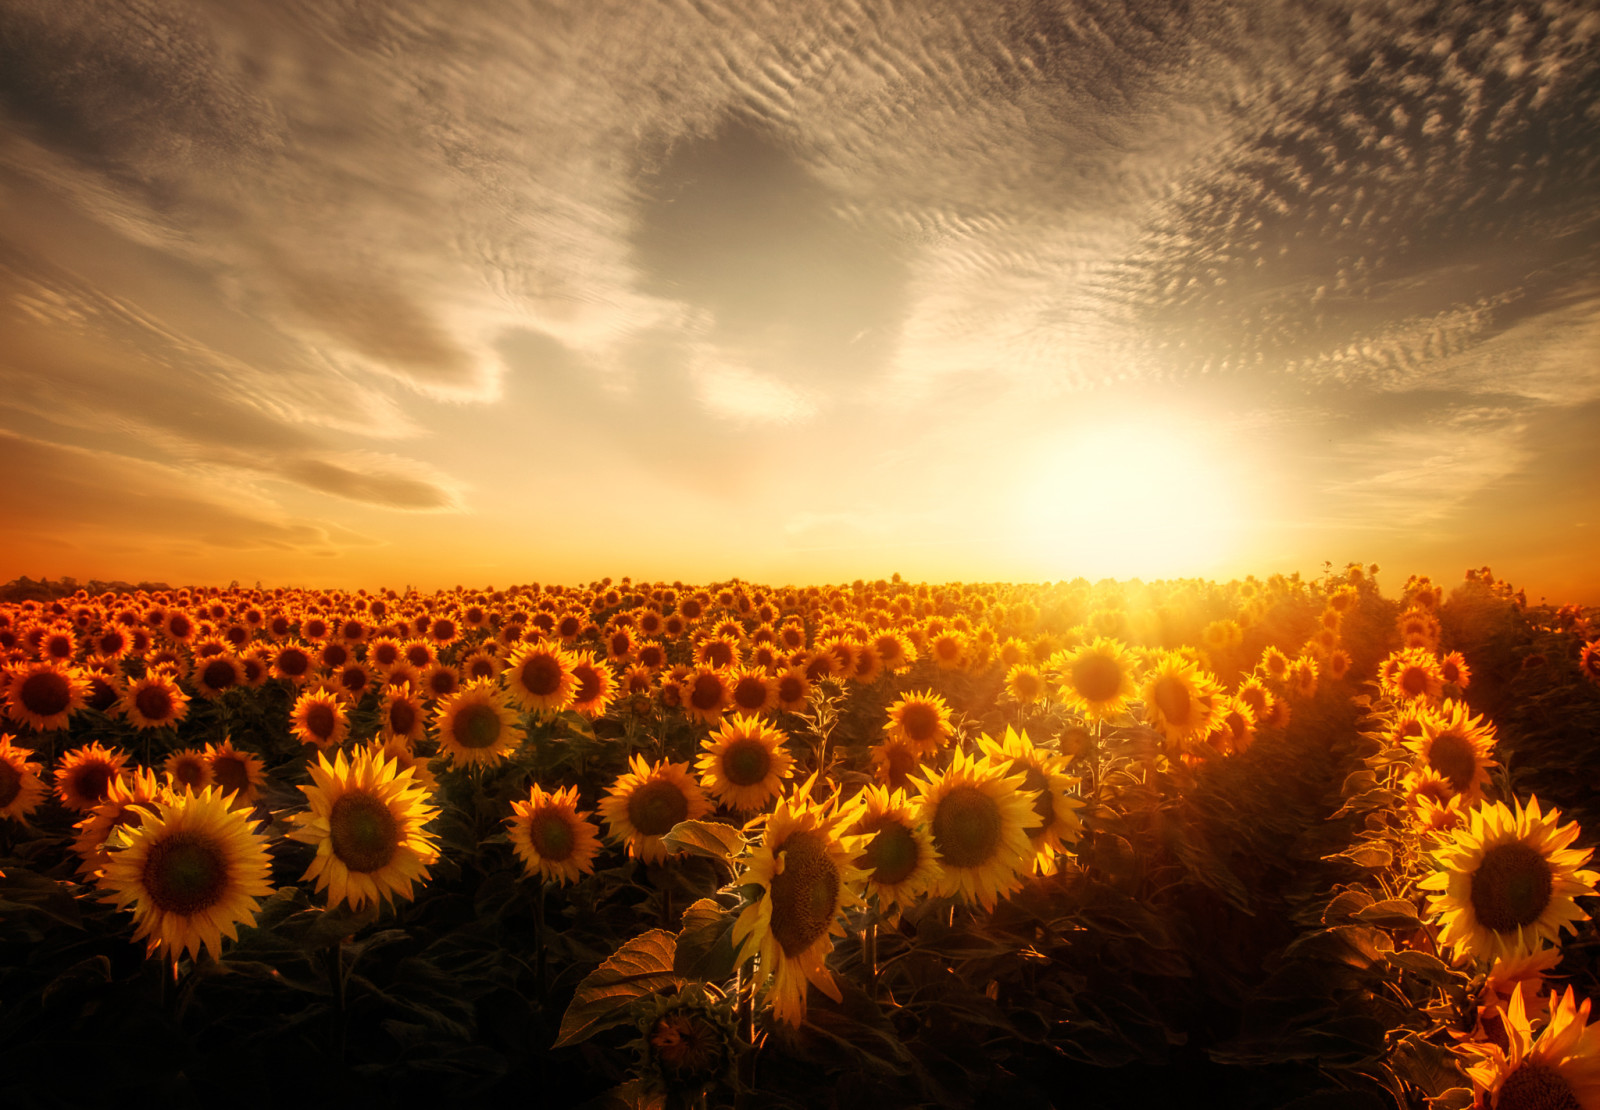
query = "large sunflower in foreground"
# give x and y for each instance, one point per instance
(366, 821)
(1456, 746)
(1559, 1069)
(743, 764)
(804, 868)
(21, 788)
(191, 872)
(476, 726)
(1097, 678)
(921, 722)
(646, 802)
(980, 818)
(1045, 777)
(897, 850)
(1507, 881)
(551, 837)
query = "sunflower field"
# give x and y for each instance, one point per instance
(1279, 842)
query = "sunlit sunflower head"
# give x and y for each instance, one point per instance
(551, 837)
(127, 802)
(539, 677)
(1336, 664)
(921, 722)
(476, 726)
(84, 775)
(980, 820)
(1506, 882)
(805, 871)
(365, 819)
(1412, 674)
(1180, 700)
(318, 717)
(1589, 660)
(1274, 664)
(401, 714)
(1025, 682)
(192, 872)
(44, 695)
(948, 650)
(716, 653)
(1557, 1068)
(1457, 747)
(897, 852)
(293, 663)
(1237, 725)
(752, 691)
(1097, 679)
(645, 802)
(706, 694)
(1303, 674)
(188, 769)
(1045, 780)
(1454, 670)
(1075, 740)
(21, 787)
(215, 675)
(1254, 693)
(743, 764)
(894, 650)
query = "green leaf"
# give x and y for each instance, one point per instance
(1344, 905)
(1391, 913)
(1426, 965)
(641, 966)
(1368, 854)
(704, 838)
(705, 943)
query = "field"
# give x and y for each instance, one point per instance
(1290, 842)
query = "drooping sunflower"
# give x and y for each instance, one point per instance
(477, 726)
(1457, 746)
(980, 818)
(744, 763)
(319, 718)
(1507, 880)
(127, 802)
(1056, 824)
(805, 868)
(188, 768)
(366, 821)
(596, 686)
(1557, 1069)
(1097, 678)
(1181, 700)
(921, 721)
(239, 774)
(539, 677)
(44, 695)
(897, 851)
(645, 802)
(21, 788)
(84, 774)
(191, 872)
(154, 701)
(551, 837)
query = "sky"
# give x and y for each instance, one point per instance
(344, 293)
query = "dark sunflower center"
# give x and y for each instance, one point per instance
(655, 807)
(477, 726)
(293, 662)
(541, 675)
(892, 854)
(185, 873)
(219, 674)
(805, 896)
(920, 722)
(90, 781)
(402, 717)
(189, 771)
(719, 654)
(706, 694)
(750, 693)
(10, 783)
(1535, 1086)
(320, 721)
(46, 693)
(1455, 759)
(552, 837)
(1044, 801)
(1511, 887)
(335, 655)
(588, 685)
(790, 688)
(1096, 678)
(746, 761)
(966, 827)
(386, 655)
(1413, 681)
(365, 834)
(1172, 698)
(154, 703)
(231, 774)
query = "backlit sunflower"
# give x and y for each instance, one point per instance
(44, 695)
(752, 691)
(644, 803)
(1507, 881)
(948, 650)
(477, 726)
(1097, 678)
(1181, 701)
(596, 686)
(319, 718)
(897, 851)
(188, 768)
(1457, 746)
(154, 701)
(216, 675)
(1558, 1069)
(400, 714)
(551, 837)
(1454, 670)
(1412, 674)
(127, 802)
(793, 689)
(1025, 683)
(921, 721)
(980, 819)
(21, 788)
(706, 695)
(1045, 779)
(1303, 677)
(240, 775)
(539, 677)
(744, 763)
(191, 872)
(805, 870)
(366, 821)
(84, 774)
(893, 763)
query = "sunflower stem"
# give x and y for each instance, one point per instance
(336, 982)
(744, 989)
(869, 957)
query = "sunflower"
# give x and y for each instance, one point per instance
(154, 701)
(744, 763)
(706, 695)
(218, 674)
(1097, 678)
(366, 821)
(188, 768)
(1181, 701)
(44, 695)
(552, 839)
(1456, 746)
(794, 689)
(127, 802)
(897, 853)
(292, 663)
(644, 804)
(596, 686)
(1507, 881)
(752, 691)
(240, 775)
(894, 650)
(539, 676)
(1303, 677)
(21, 788)
(805, 871)
(1274, 663)
(191, 872)
(980, 819)
(1558, 1069)
(400, 714)
(1025, 683)
(921, 721)
(1411, 674)
(84, 774)
(716, 653)
(948, 650)
(441, 681)
(1056, 823)
(893, 763)
(319, 718)
(477, 726)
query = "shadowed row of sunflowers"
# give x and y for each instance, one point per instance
(902, 780)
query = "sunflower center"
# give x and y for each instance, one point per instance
(551, 836)
(1534, 1086)
(185, 873)
(91, 781)
(805, 896)
(966, 827)
(750, 693)
(363, 831)
(707, 692)
(655, 807)
(1511, 887)
(477, 726)
(154, 703)
(719, 654)
(320, 721)
(1454, 758)
(541, 675)
(219, 674)
(46, 693)
(791, 688)
(10, 783)
(892, 854)
(1096, 678)
(746, 761)
(294, 662)
(588, 685)
(1413, 681)
(189, 771)
(1173, 699)
(402, 717)
(920, 722)
(231, 774)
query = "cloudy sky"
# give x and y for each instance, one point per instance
(357, 293)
